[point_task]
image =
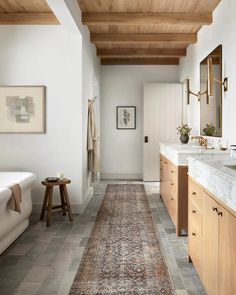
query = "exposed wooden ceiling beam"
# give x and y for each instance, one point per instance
(143, 38)
(139, 61)
(157, 18)
(28, 18)
(141, 52)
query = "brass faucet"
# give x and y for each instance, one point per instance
(201, 141)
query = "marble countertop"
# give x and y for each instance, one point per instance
(179, 153)
(211, 172)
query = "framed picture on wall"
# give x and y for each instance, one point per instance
(22, 109)
(126, 117)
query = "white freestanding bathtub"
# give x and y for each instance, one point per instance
(12, 224)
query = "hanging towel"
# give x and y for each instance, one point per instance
(15, 199)
(92, 143)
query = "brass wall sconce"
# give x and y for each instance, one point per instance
(210, 83)
(198, 95)
(211, 79)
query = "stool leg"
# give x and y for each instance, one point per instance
(44, 203)
(63, 202)
(67, 202)
(49, 211)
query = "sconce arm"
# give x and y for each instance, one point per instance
(195, 94)
(203, 92)
(223, 83)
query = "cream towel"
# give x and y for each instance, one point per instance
(15, 199)
(92, 143)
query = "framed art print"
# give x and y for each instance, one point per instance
(22, 109)
(126, 117)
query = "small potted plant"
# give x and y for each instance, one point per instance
(209, 130)
(184, 132)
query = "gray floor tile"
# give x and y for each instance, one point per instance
(44, 261)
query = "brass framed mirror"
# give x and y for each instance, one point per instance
(211, 105)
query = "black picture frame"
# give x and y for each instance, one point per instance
(126, 125)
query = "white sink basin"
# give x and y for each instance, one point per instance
(179, 153)
(233, 167)
(187, 146)
(217, 174)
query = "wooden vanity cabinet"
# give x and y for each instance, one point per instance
(195, 226)
(227, 253)
(210, 247)
(174, 192)
(212, 241)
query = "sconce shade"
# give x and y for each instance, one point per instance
(210, 77)
(188, 92)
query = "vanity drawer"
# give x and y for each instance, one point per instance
(161, 162)
(173, 186)
(173, 176)
(195, 217)
(195, 248)
(195, 194)
(172, 207)
(173, 170)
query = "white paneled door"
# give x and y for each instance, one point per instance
(162, 104)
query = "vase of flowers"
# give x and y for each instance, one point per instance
(209, 130)
(184, 132)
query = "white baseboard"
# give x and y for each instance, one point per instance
(121, 176)
(83, 206)
(76, 208)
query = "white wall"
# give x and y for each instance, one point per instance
(62, 58)
(45, 55)
(90, 88)
(121, 150)
(222, 31)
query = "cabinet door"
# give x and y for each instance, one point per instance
(227, 253)
(195, 247)
(161, 174)
(165, 181)
(210, 245)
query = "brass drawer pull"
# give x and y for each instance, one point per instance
(165, 162)
(215, 209)
(194, 193)
(172, 183)
(194, 234)
(172, 171)
(194, 212)
(172, 199)
(220, 214)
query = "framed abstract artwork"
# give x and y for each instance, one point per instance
(22, 109)
(126, 117)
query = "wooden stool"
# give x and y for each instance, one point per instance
(47, 203)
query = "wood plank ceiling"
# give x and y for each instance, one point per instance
(144, 31)
(26, 12)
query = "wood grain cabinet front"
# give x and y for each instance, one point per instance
(174, 192)
(227, 252)
(212, 241)
(210, 245)
(195, 216)
(195, 247)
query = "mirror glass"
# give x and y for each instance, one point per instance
(211, 106)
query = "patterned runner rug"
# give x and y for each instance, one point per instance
(123, 255)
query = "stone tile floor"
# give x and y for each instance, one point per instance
(44, 261)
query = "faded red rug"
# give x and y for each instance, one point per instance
(123, 255)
